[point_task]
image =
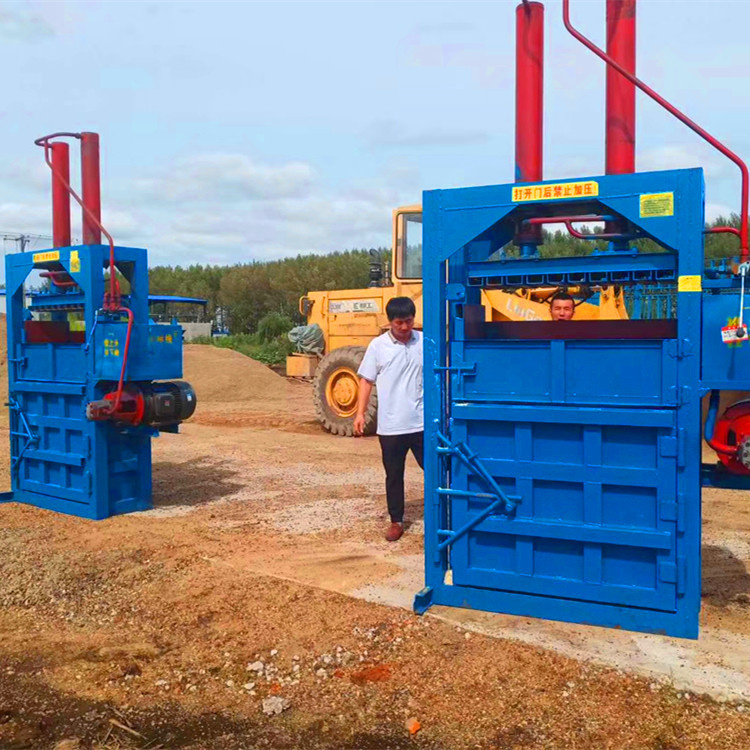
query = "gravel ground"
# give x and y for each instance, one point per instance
(217, 622)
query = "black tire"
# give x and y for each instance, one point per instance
(340, 367)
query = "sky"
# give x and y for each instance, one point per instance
(241, 131)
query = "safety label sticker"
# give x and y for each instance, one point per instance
(729, 335)
(654, 205)
(75, 261)
(111, 347)
(689, 283)
(729, 332)
(524, 193)
(46, 256)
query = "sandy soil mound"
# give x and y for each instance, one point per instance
(222, 376)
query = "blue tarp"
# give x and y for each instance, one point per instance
(169, 298)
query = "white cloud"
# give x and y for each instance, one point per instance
(680, 157)
(716, 210)
(229, 208)
(219, 177)
(388, 133)
(221, 208)
(273, 229)
(32, 174)
(33, 218)
(124, 226)
(489, 69)
(21, 25)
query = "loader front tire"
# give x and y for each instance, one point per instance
(336, 389)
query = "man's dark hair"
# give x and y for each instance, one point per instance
(400, 307)
(563, 297)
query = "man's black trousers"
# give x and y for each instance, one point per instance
(394, 449)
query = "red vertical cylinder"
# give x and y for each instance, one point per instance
(60, 194)
(529, 91)
(529, 106)
(91, 187)
(620, 122)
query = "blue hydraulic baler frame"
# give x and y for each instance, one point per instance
(562, 464)
(60, 460)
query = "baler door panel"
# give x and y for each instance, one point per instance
(596, 519)
(569, 372)
(54, 461)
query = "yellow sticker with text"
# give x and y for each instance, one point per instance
(523, 193)
(654, 205)
(689, 284)
(46, 256)
(75, 261)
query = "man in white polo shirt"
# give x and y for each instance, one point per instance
(393, 362)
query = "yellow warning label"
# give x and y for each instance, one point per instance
(657, 204)
(75, 262)
(524, 193)
(689, 284)
(46, 256)
(111, 347)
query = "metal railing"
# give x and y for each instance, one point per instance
(651, 301)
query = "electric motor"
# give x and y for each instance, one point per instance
(156, 404)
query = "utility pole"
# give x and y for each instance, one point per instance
(22, 239)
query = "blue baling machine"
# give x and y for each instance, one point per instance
(563, 466)
(89, 376)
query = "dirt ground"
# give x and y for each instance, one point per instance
(253, 587)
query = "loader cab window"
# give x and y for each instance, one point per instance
(410, 266)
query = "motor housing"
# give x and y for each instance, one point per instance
(156, 404)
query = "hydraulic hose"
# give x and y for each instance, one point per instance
(743, 232)
(112, 298)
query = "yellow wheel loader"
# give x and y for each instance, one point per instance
(351, 318)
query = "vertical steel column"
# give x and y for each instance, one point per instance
(529, 107)
(620, 117)
(90, 187)
(60, 195)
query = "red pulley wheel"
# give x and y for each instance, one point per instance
(131, 408)
(733, 430)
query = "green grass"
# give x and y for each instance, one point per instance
(271, 352)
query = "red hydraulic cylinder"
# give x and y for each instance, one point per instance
(620, 118)
(529, 91)
(529, 104)
(60, 195)
(91, 188)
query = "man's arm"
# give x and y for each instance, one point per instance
(363, 399)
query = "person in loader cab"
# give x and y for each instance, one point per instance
(393, 362)
(562, 307)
